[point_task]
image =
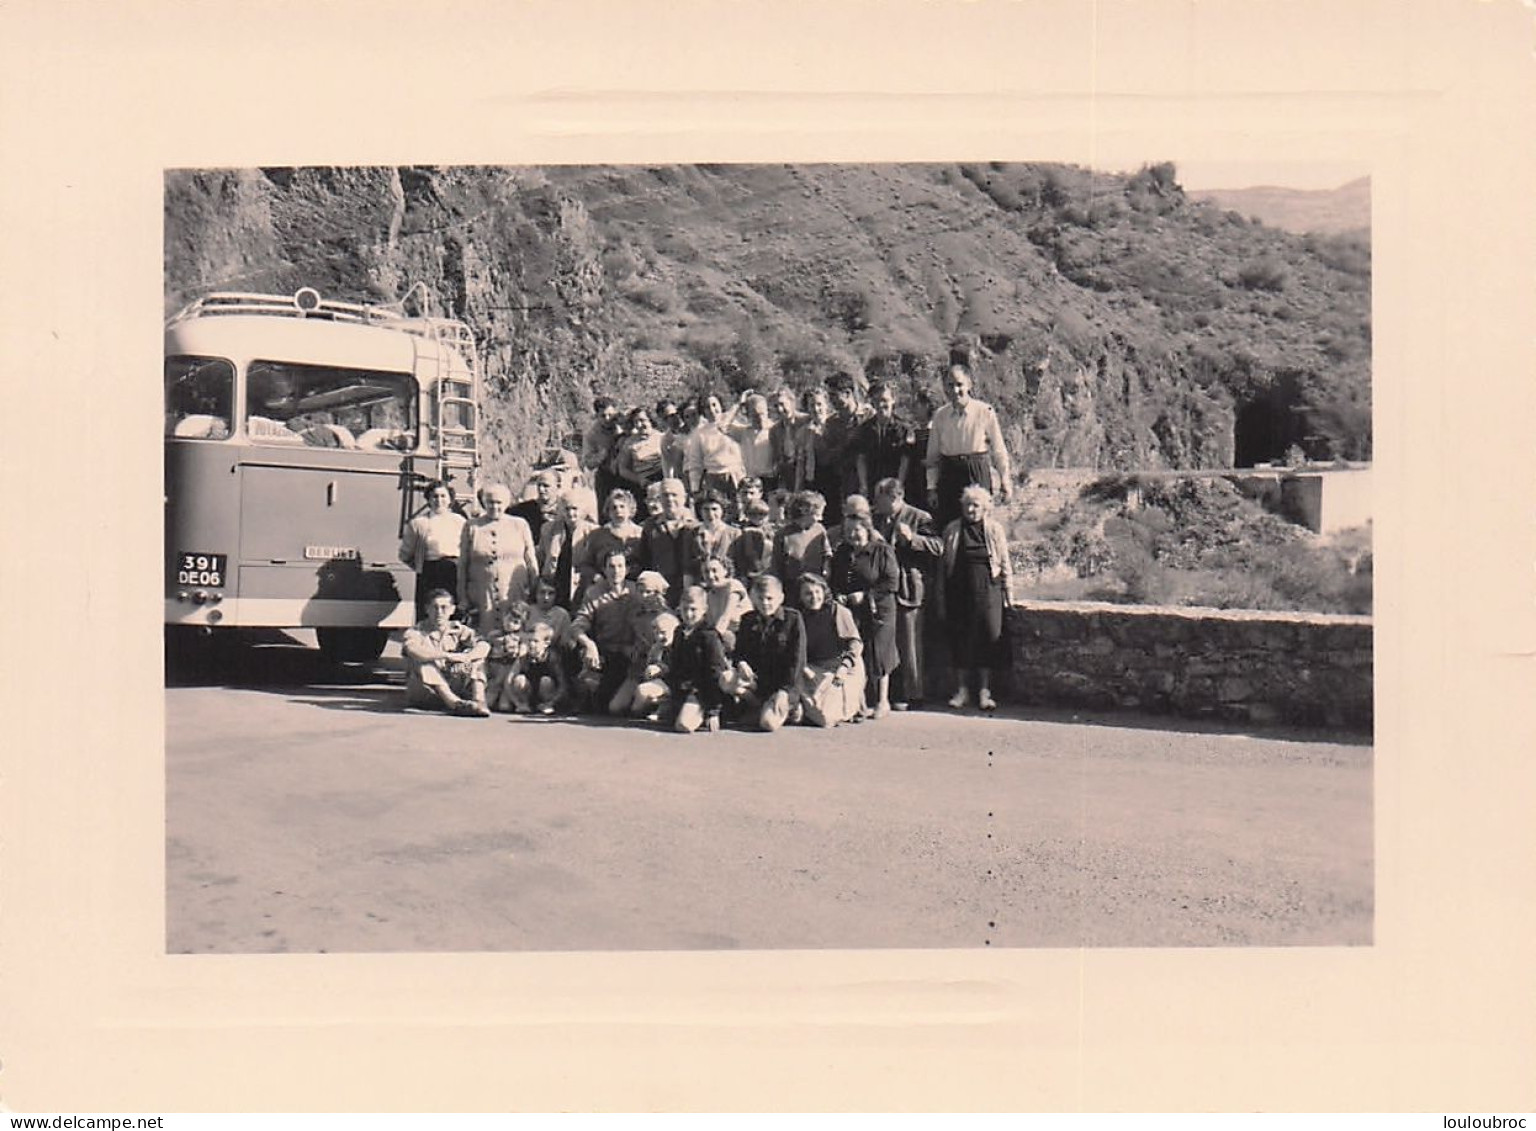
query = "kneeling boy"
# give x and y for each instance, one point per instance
(770, 651)
(698, 668)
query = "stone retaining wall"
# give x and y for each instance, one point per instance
(1294, 668)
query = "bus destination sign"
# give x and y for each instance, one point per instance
(333, 553)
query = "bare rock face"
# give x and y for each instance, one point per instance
(1114, 323)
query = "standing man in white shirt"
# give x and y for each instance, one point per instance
(965, 446)
(760, 438)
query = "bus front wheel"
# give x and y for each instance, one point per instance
(352, 645)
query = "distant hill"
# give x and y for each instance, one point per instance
(1115, 322)
(1343, 209)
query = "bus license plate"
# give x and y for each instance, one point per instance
(193, 568)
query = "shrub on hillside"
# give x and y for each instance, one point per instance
(1264, 274)
(1346, 252)
(652, 294)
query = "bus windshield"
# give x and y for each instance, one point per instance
(326, 407)
(199, 398)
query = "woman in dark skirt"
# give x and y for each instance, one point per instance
(430, 545)
(973, 592)
(865, 574)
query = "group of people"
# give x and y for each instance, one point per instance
(779, 574)
(827, 439)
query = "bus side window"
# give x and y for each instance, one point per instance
(199, 397)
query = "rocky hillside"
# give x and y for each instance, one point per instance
(1116, 323)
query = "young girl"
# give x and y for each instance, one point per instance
(544, 610)
(506, 641)
(801, 545)
(538, 679)
(699, 665)
(713, 536)
(778, 507)
(727, 598)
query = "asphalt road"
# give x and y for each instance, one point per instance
(319, 816)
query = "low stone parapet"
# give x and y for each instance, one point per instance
(1266, 668)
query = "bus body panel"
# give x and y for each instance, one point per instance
(311, 505)
(333, 557)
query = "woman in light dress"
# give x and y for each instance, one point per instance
(498, 560)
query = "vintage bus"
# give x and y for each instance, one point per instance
(299, 433)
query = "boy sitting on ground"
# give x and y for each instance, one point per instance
(445, 661)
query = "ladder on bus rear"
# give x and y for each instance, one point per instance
(456, 408)
(455, 402)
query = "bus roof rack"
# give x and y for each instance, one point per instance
(450, 331)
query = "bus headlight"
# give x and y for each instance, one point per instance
(214, 616)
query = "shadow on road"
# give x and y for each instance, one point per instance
(262, 659)
(373, 699)
(274, 661)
